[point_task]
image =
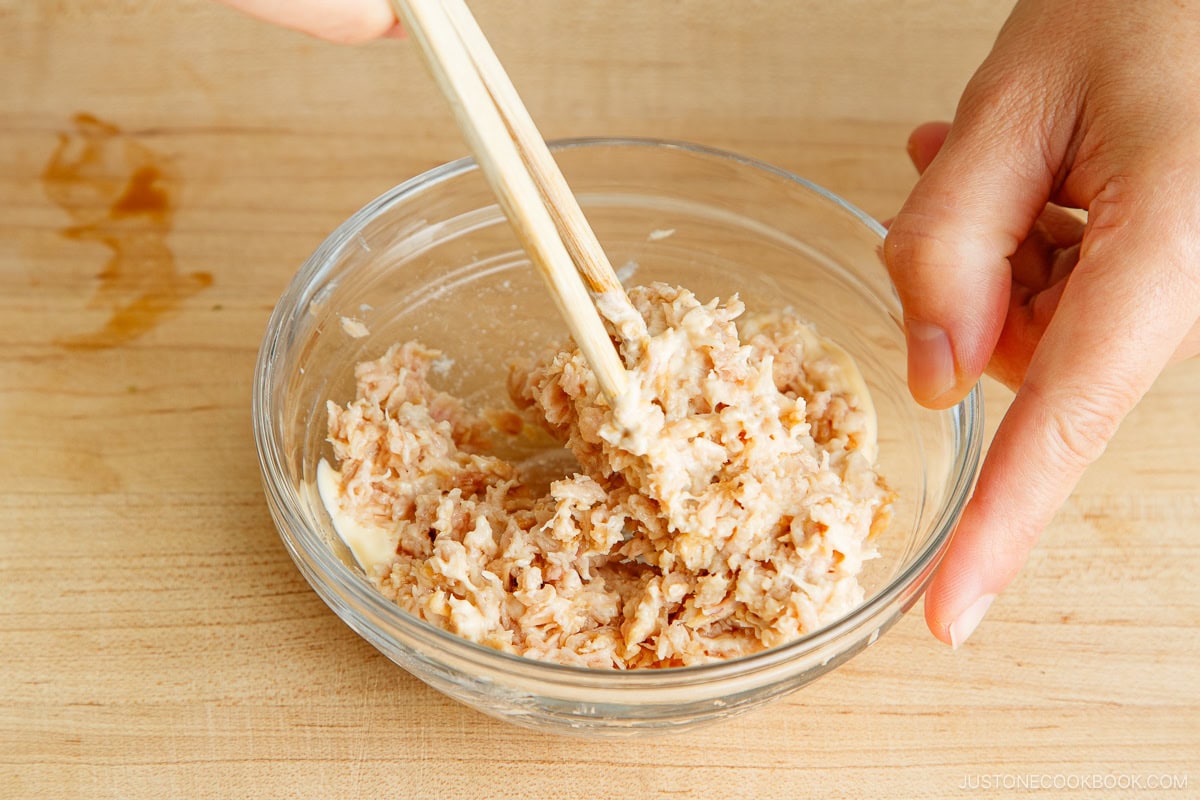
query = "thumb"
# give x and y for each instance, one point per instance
(948, 248)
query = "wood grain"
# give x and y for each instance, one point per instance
(156, 639)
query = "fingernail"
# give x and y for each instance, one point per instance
(962, 628)
(930, 360)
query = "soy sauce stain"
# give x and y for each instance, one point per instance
(120, 194)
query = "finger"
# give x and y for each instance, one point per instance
(925, 142)
(1190, 347)
(1123, 314)
(1040, 269)
(1046, 255)
(1029, 314)
(948, 247)
(1030, 310)
(341, 21)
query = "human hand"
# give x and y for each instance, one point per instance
(1080, 105)
(341, 21)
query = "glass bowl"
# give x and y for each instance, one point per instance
(434, 260)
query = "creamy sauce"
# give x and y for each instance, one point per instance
(373, 546)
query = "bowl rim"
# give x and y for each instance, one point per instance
(966, 418)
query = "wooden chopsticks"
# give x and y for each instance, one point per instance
(528, 184)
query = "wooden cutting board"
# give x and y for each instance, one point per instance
(165, 167)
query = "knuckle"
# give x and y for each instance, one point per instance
(1004, 94)
(1150, 223)
(1078, 430)
(1006, 103)
(992, 90)
(1111, 210)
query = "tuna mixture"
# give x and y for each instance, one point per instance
(725, 505)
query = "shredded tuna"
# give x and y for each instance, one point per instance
(724, 506)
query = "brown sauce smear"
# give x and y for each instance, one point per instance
(120, 193)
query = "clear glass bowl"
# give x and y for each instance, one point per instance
(433, 259)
